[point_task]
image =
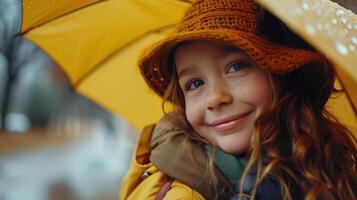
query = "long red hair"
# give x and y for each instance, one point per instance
(295, 139)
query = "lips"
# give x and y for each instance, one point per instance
(227, 123)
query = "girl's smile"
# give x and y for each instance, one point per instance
(224, 90)
(228, 123)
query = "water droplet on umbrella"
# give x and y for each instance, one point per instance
(310, 29)
(334, 21)
(341, 48)
(305, 6)
(349, 26)
(319, 26)
(339, 12)
(354, 40)
(344, 20)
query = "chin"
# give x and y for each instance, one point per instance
(233, 149)
(234, 144)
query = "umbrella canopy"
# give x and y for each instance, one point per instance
(329, 27)
(332, 30)
(96, 43)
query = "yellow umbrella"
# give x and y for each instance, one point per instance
(331, 29)
(104, 38)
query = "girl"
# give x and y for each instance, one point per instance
(249, 119)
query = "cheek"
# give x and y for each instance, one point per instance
(260, 92)
(194, 113)
(264, 91)
(257, 90)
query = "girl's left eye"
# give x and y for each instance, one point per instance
(237, 66)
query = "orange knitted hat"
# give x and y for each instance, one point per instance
(231, 22)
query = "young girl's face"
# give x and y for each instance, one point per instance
(224, 90)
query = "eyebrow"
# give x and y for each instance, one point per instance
(185, 72)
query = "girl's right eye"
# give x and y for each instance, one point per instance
(192, 85)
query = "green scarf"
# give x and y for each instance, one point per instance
(231, 166)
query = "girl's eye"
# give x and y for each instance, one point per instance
(192, 85)
(237, 66)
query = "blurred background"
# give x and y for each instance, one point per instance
(55, 143)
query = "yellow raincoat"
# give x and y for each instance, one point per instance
(135, 187)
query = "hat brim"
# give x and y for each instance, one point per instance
(269, 56)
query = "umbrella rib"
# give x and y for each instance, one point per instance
(59, 16)
(97, 66)
(187, 1)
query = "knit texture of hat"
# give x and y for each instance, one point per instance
(230, 22)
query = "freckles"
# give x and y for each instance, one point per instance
(194, 113)
(255, 89)
(261, 92)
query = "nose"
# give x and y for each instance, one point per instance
(218, 95)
